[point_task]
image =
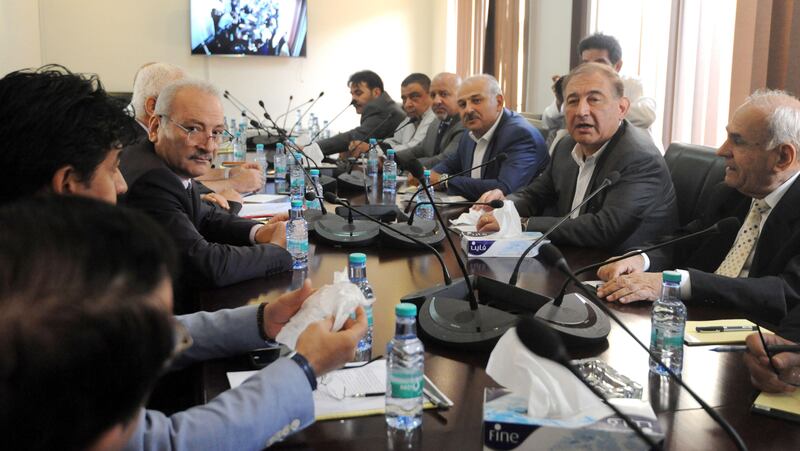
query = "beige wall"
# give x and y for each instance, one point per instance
(113, 38)
(548, 49)
(19, 35)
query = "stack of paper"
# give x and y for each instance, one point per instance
(693, 337)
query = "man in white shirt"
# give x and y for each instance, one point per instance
(605, 49)
(757, 269)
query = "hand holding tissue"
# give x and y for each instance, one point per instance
(509, 241)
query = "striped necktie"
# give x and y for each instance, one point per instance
(745, 241)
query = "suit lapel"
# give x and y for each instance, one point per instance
(490, 148)
(601, 166)
(782, 221)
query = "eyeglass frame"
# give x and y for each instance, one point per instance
(223, 137)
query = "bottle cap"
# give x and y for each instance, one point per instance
(259, 147)
(358, 257)
(406, 310)
(279, 146)
(671, 276)
(298, 155)
(427, 173)
(314, 172)
(373, 141)
(390, 152)
(297, 203)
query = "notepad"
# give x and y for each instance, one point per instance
(694, 338)
(780, 405)
(261, 210)
(265, 198)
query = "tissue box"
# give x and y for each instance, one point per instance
(476, 244)
(506, 426)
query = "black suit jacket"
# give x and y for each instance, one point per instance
(640, 207)
(214, 245)
(773, 283)
(379, 118)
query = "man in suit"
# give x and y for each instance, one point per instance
(113, 261)
(380, 116)
(637, 208)
(228, 184)
(444, 133)
(217, 248)
(493, 130)
(757, 270)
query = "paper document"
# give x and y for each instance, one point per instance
(265, 198)
(261, 210)
(695, 338)
(781, 405)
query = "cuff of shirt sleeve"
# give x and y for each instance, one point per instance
(686, 284)
(302, 362)
(253, 232)
(646, 262)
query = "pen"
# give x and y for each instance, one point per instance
(367, 395)
(725, 328)
(743, 348)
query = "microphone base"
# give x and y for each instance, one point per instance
(338, 232)
(354, 181)
(383, 212)
(579, 321)
(426, 231)
(313, 216)
(446, 323)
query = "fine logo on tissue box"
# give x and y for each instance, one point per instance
(479, 247)
(505, 436)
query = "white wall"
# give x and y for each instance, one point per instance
(113, 38)
(20, 46)
(549, 35)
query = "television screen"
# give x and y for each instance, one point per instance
(249, 27)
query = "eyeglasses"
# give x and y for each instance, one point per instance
(195, 136)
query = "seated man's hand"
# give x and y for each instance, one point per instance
(761, 374)
(216, 198)
(630, 265)
(326, 350)
(356, 148)
(279, 312)
(487, 223)
(247, 178)
(642, 286)
(280, 217)
(435, 178)
(272, 232)
(412, 181)
(487, 197)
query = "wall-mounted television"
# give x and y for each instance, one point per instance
(249, 27)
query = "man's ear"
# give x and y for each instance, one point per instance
(618, 66)
(376, 92)
(65, 181)
(787, 157)
(624, 105)
(150, 106)
(153, 127)
(500, 102)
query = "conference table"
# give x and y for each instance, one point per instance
(721, 379)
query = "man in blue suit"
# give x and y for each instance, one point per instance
(493, 130)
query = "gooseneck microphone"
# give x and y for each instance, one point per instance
(551, 255)
(331, 121)
(300, 120)
(545, 342)
(330, 197)
(241, 107)
(500, 158)
(608, 181)
(727, 225)
(497, 203)
(287, 112)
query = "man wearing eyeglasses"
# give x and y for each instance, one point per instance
(216, 248)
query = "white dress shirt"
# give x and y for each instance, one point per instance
(480, 147)
(408, 136)
(585, 170)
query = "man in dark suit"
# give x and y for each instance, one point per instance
(493, 130)
(444, 133)
(639, 207)
(380, 115)
(217, 248)
(757, 269)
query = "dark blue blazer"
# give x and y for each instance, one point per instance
(526, 157)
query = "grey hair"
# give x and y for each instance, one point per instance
(167, 96)
(782, 116)
(492, 84)
(592, 68)
(150, 80)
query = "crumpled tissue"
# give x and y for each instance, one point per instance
(553, 391)
(507, 218)
(338, 300)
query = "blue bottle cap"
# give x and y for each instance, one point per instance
(358, 257)
(427, 173)
(259, 147)
(390, 152)
(373, 141)
(297, 203)
(279, 146)
(314, 172)
(406, 310)
(671, 276)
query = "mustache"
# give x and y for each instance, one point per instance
(470, 116)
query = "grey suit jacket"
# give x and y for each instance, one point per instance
(214, 245)
(638, 208)
(264, 409)
(379, 119)
(424, 152)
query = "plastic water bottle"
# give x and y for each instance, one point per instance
(297, 180)
(239, 148)
(405, 366)
(280, 168)
(316, 188)
(389, 175)
(372, 159)
(297, 236)
(425, 209)
(357, 270)
(668, 322)
(326, 132)
(261, 158)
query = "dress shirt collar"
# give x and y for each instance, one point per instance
(186, 182)
(488, 135)
(775, 196)
(577, 155)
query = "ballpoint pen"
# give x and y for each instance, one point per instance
(725, 328)
(743, 348)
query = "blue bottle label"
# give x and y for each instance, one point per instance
(297, 246)
(405, 384)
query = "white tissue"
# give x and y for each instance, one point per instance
(338, 300)
(553, 392)
(508, 219)
(469, 218)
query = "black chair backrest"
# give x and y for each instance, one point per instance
(694, 170)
